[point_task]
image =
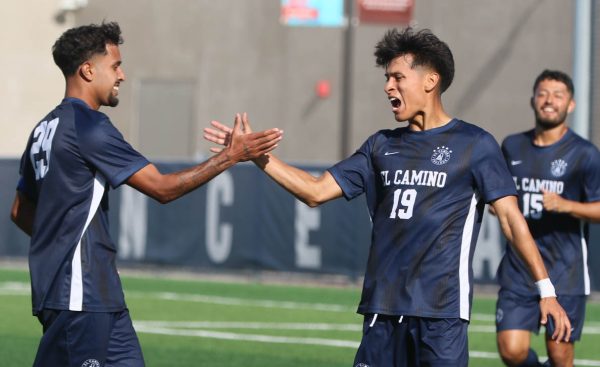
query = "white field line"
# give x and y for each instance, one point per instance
(234, 301)
(170, 328)
(246, 337)
(22, 288)
(14, 288)
(249, 325)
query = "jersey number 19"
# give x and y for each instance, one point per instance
(405, 198)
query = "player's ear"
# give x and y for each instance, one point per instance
(571, 106)
(531, 103)
(86, 71)
(432, 80)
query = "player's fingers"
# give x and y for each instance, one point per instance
(216, 150)
(569, 329)
(221, 127)
(237, 123)
(543, 319)
(268, 134)
(561, 326)
(214, 139)
(214, 134)
(265, 145)
(269, 139)
(246, 123)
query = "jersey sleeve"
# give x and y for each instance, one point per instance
(489, 170)
(591, 176)
(27, 184)
(354, 173)
(104, 147)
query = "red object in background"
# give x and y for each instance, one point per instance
(385, 11)
(323, 89)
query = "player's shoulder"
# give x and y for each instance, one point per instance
(83, 114)
(472, 131)
(581, 142)
(518, 138)
(389, 133)
(92, 128)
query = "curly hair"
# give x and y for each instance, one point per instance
(79, 44)
(424, 46)
(559, 76)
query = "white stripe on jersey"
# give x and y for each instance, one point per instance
(586, 274)
(76, 298)
(465, 250)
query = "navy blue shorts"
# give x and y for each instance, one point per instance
(412, 341)
(88, 339)
(516, 312)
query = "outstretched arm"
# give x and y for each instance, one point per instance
(242, 147)
(517, 232)
(557, 204)
(311, 190)
(23, 212)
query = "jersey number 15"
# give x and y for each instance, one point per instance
(533, 205)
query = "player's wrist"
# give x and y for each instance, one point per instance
(545, 288)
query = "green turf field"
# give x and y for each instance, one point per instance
(210, 323)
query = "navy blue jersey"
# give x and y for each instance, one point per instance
(71, 157)
(426, 193)
(570, 168)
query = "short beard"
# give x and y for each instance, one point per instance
(549, 124)
(112, 101)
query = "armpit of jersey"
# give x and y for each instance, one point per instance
(103, 146)
(489, 169)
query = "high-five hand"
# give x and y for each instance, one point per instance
(240, 142)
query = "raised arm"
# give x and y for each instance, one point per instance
(23, 212)
(311, 190)
(242, 147)
(517, 232)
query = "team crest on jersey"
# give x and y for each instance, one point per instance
(91, 363)
(361, 365)
(558, 167)
(441, 155)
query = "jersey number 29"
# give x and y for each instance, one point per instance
(41, 146)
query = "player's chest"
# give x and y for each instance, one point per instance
(422, 166)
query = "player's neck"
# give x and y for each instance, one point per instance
(429, 119)
(75, 90)
(548, 136)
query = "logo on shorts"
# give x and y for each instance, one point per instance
(441, 155)
(91, 363)
(558, 167)
(499, 315)
(362, 365)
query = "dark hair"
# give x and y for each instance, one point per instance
(79, 44)
(559, 76)
(424, 46)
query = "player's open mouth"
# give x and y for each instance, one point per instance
(116, 89)
(395, 102)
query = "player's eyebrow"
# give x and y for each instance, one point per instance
(394, 74)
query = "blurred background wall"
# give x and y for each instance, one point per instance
(190, 61)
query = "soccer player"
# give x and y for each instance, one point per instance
(426, 185)
(557, 176)
(72, 156)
